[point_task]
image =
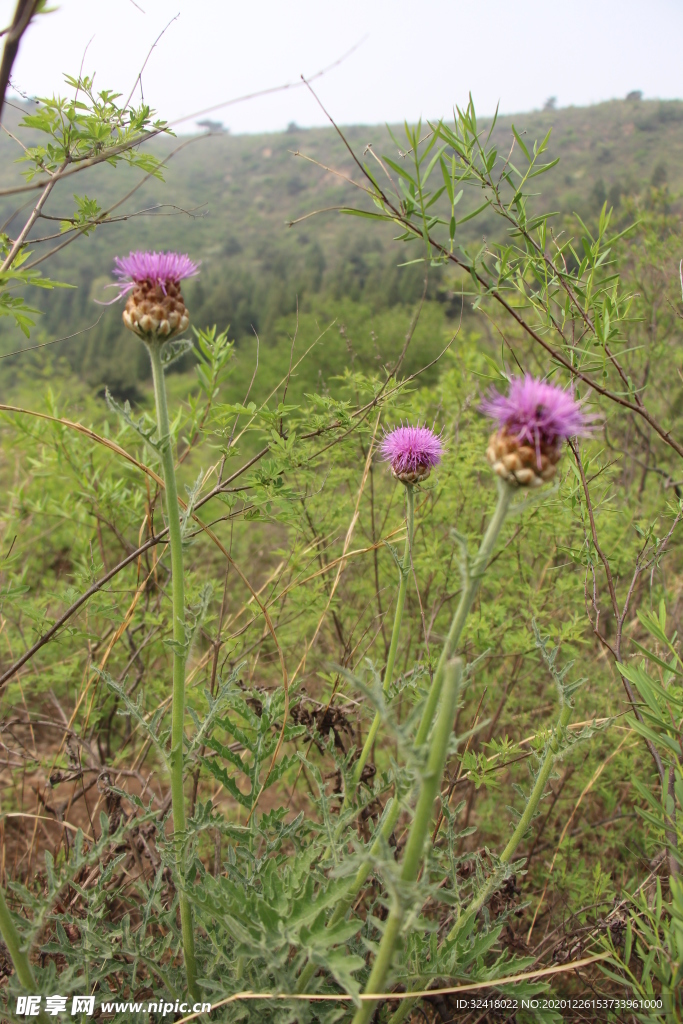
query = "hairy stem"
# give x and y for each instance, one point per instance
(179, 655)
(419, 832)
(469, 592)
(393, 647)
(495, 879)
(12, 940)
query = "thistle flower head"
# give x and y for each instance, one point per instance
(155, 309)
(412, 452)
(533, 419)
(158, 268)
(536, 412)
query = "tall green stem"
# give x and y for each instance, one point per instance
(179, 655)
(470, 590)
(419, 831)
(404, 572)
(494, 880)
(12, 940)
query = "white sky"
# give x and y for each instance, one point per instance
(414, 59)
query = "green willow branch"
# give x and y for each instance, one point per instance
(395, 212)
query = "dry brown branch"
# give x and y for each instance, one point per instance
(23, 14)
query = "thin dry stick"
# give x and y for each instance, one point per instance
(77, 230)
(267, 92)
(45, 817)
(107, 154)
(335, 562)
(378, 996)
(345, 552)
(55, 341)
(33, 217)
(587, 788)
(149, 54)
(335, 584)
(87, 432)
(72, 609)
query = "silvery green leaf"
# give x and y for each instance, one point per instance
(141, 426)
(172, 351)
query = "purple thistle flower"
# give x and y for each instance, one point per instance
(412, 452)
(158, 268)
(537, 413)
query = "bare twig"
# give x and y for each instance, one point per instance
(55, 341)
(149, 54)
(271, 90)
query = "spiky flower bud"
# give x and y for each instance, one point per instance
(412, 452)
(534, 420)
(155, 309)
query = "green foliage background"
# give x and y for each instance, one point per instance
(73, 509)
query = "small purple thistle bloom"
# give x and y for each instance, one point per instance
(412, 450)
(535, 412)
(159, 268)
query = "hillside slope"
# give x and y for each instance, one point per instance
(228, 200)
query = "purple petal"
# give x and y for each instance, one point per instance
(409, 448)
(535, 411)
(157, 267)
